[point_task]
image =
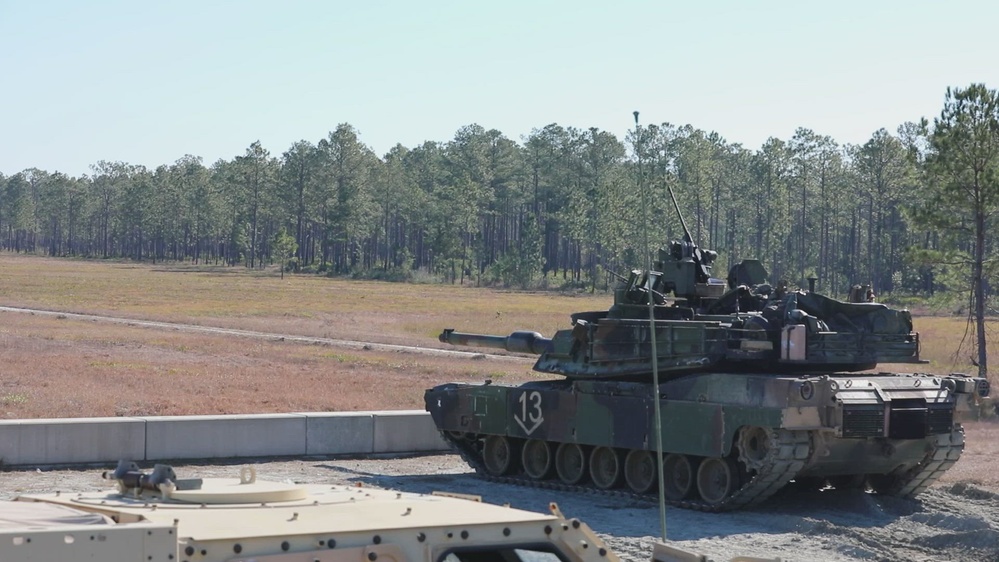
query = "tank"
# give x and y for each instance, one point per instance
(759, 386)
(155, 516)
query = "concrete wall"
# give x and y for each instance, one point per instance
(107, 440)
(337, 433)
(220, 437)
(67, 441)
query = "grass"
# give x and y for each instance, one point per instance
(305, 305)
(946, 341)
(65, 367)
(12, 399)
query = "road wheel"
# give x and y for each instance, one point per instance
(640, 471)
(678, 474)
(754, 447)
(605, 468)
(716, 480)
(498, 455)
(570, 463)
(537, 459)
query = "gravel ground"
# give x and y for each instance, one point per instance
(951, 521)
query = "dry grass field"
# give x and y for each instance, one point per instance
(65, 367)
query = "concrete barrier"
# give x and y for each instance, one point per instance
(45, 442)
(71, 441)
(339, 433)
(217, 437)
(402, 431)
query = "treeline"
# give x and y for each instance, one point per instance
(563, 206)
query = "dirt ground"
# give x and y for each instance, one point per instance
(69, 365)
(953, 521)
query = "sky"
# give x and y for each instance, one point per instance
(149, 82)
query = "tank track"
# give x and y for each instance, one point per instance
(945, 452)
(787, 454)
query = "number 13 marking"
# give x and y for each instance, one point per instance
(530, 411)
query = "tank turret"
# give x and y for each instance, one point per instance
(702, 323)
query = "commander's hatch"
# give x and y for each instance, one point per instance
(162, 481)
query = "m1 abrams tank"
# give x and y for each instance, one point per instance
(759, 386)
(156, 517)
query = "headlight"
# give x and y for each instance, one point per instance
(983, 387)
(807, 390)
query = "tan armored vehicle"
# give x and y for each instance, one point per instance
(156, 517)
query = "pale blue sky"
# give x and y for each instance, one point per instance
(148, 82)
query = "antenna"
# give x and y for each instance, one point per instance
(657, 423)
(686, 232)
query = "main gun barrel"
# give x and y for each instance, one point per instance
(521, 341)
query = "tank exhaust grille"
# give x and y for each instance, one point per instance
(863, 420)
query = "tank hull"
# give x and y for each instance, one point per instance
(730, 439)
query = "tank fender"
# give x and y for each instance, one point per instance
(469, 409)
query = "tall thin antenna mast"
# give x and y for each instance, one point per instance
(657, 423)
